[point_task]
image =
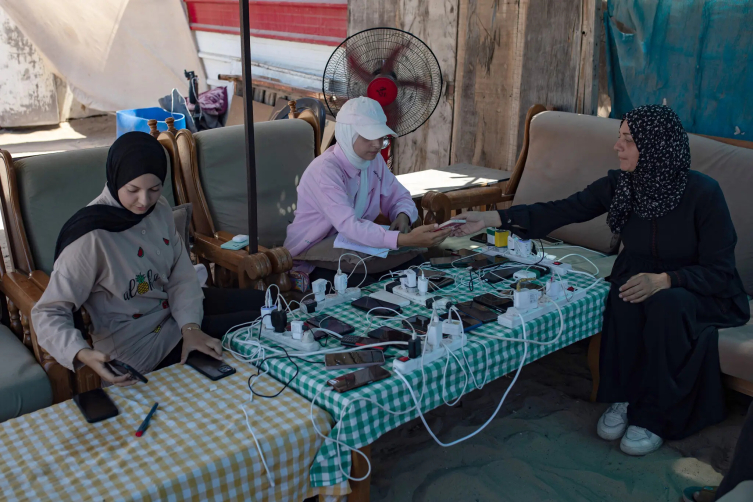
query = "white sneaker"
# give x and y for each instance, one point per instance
(639, 441)
(613, 422)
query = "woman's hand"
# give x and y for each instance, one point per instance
(642, 286)
(401, 224)
(423, 237)
(96, 360)
(195, 339)
(475, 221)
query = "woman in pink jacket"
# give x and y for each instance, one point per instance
(348, 186)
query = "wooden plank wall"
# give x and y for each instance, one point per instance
(498, 58)
(434, 22)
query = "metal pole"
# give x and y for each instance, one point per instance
(248, 115)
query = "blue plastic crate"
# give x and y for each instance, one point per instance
(136, 120)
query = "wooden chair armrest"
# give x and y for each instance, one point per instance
(279, 257)
(477, 196)
(23, 293)
(255, 266)
(40, 279)
(437, 207)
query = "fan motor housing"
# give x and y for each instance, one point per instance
(383, 90)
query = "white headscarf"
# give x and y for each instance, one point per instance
(346, 136)
(360, 117)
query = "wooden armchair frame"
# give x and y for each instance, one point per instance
(24, 285)
(438, 207)
(268, 266)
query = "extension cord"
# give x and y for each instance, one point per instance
(287, 339)
(407, 366)
(512, 318)
(332, 300)
(557, 267)
(416, 297)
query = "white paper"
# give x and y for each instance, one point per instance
(343, 242)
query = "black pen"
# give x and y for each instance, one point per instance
(145, 423)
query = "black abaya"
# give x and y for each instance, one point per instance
(661, 356)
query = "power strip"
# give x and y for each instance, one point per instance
(287, 339)
(511, 319)
(332, 300)
(416, 297)
(558, 267)
(406, 366)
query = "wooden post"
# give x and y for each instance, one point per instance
(171, 125)
(153, 127)
(360, 490)
(248, 115)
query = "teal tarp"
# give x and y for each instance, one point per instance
(693, 55)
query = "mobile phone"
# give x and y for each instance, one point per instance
(357, 359)
(360, 341)
(376, 306)
(443, 262)
(441, 283)
(491, 261)
(551, 241)
(121, 368)
(432, 275)
(449, 224)
(480, 238)
(358, 378)
(326, 321)
(469, 323)
(208, 366)
(476, 254)
(419, 322)
(95, 405)
(494, 302)
(478, 311)
(387, 334)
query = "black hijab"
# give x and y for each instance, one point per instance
(656, 185)
(132, 155)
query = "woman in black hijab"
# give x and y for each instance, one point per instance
(673, 285)
(122, 258)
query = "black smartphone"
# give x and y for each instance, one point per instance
(481, 238)
(494, 302)
(387, 334)
(358, 378)
(120, 368)
(432, 275)
(360, 341)
(478, 311)
(355, 359)
(419, 322)
(476, 254)
(443, 262)
(490, 261)
(326, 321)
(208, 366)
(441, 283)
(95, 405)
(551, 241)
(469, 323)
(380, 307)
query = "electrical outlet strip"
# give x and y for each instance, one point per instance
(331, 300)
(416, 297)
(410, 365)
(558, 267)
(287, 339)
(510, 319)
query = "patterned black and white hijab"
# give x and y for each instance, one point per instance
(656, 185)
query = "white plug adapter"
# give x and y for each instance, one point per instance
(423, 285)
(319, 288)
(296, 328)
(452, 328)
(341, 282)
(266, 315)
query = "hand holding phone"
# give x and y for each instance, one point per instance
(450, 224)
(121, 368)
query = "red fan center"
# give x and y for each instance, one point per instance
(383, 90)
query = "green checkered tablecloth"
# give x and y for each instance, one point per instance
(360, 422)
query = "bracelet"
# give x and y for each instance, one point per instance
(190, 328)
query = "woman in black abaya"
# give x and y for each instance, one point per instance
(673, 285)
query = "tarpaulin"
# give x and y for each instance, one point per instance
(693, 55)
(114, 54)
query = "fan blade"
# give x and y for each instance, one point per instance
(394, 115)
(412, 83)
(389, 63)
(359, 71)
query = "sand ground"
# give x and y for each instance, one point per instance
(542, 446)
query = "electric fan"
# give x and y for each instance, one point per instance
(390, 66)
